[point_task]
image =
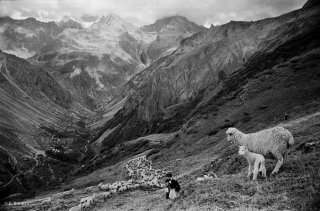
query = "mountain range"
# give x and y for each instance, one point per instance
(77, 97)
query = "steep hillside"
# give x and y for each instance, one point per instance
(36, 116)
(176, 82)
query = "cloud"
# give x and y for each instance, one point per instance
(204, 12)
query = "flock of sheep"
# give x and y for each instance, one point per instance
(137, 168)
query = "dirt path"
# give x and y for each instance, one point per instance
(299, 120)
(30, 170)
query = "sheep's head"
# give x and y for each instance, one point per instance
(243, 150)
(233, 135)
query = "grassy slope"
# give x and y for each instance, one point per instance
(292, 189)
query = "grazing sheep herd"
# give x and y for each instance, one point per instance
(139, 167)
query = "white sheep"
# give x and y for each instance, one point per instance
(100, 197)
(103, 187)
(199, 179)
(256, 162)
(113, 191)
(106, 194)
(87, 199)
(85, 205)
(76, 208)
(46, 202)
(68, 193)
(90, 189)
(113, 186)
(274, 140)
(136, 186)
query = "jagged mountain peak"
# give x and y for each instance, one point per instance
(69, 22)
(30, 21)
(67, 18)
(113, 22)
(176, 22)
(111, 19)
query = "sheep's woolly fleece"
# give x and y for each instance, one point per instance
(264, 141)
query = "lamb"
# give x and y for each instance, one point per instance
(275, 140)
(254, 160)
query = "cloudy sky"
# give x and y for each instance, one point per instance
(140, 12)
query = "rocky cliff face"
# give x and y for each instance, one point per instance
(202, 60)
(24, 38)
(170, 31)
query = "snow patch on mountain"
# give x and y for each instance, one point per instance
(94, 73)
(22, 53)
(76, 71)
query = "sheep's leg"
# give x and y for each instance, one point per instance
(263, 169)
(255, 170)
(279, 163)
(250, 170)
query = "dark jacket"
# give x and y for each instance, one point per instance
(174, 184)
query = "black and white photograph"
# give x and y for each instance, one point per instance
(159, 105)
